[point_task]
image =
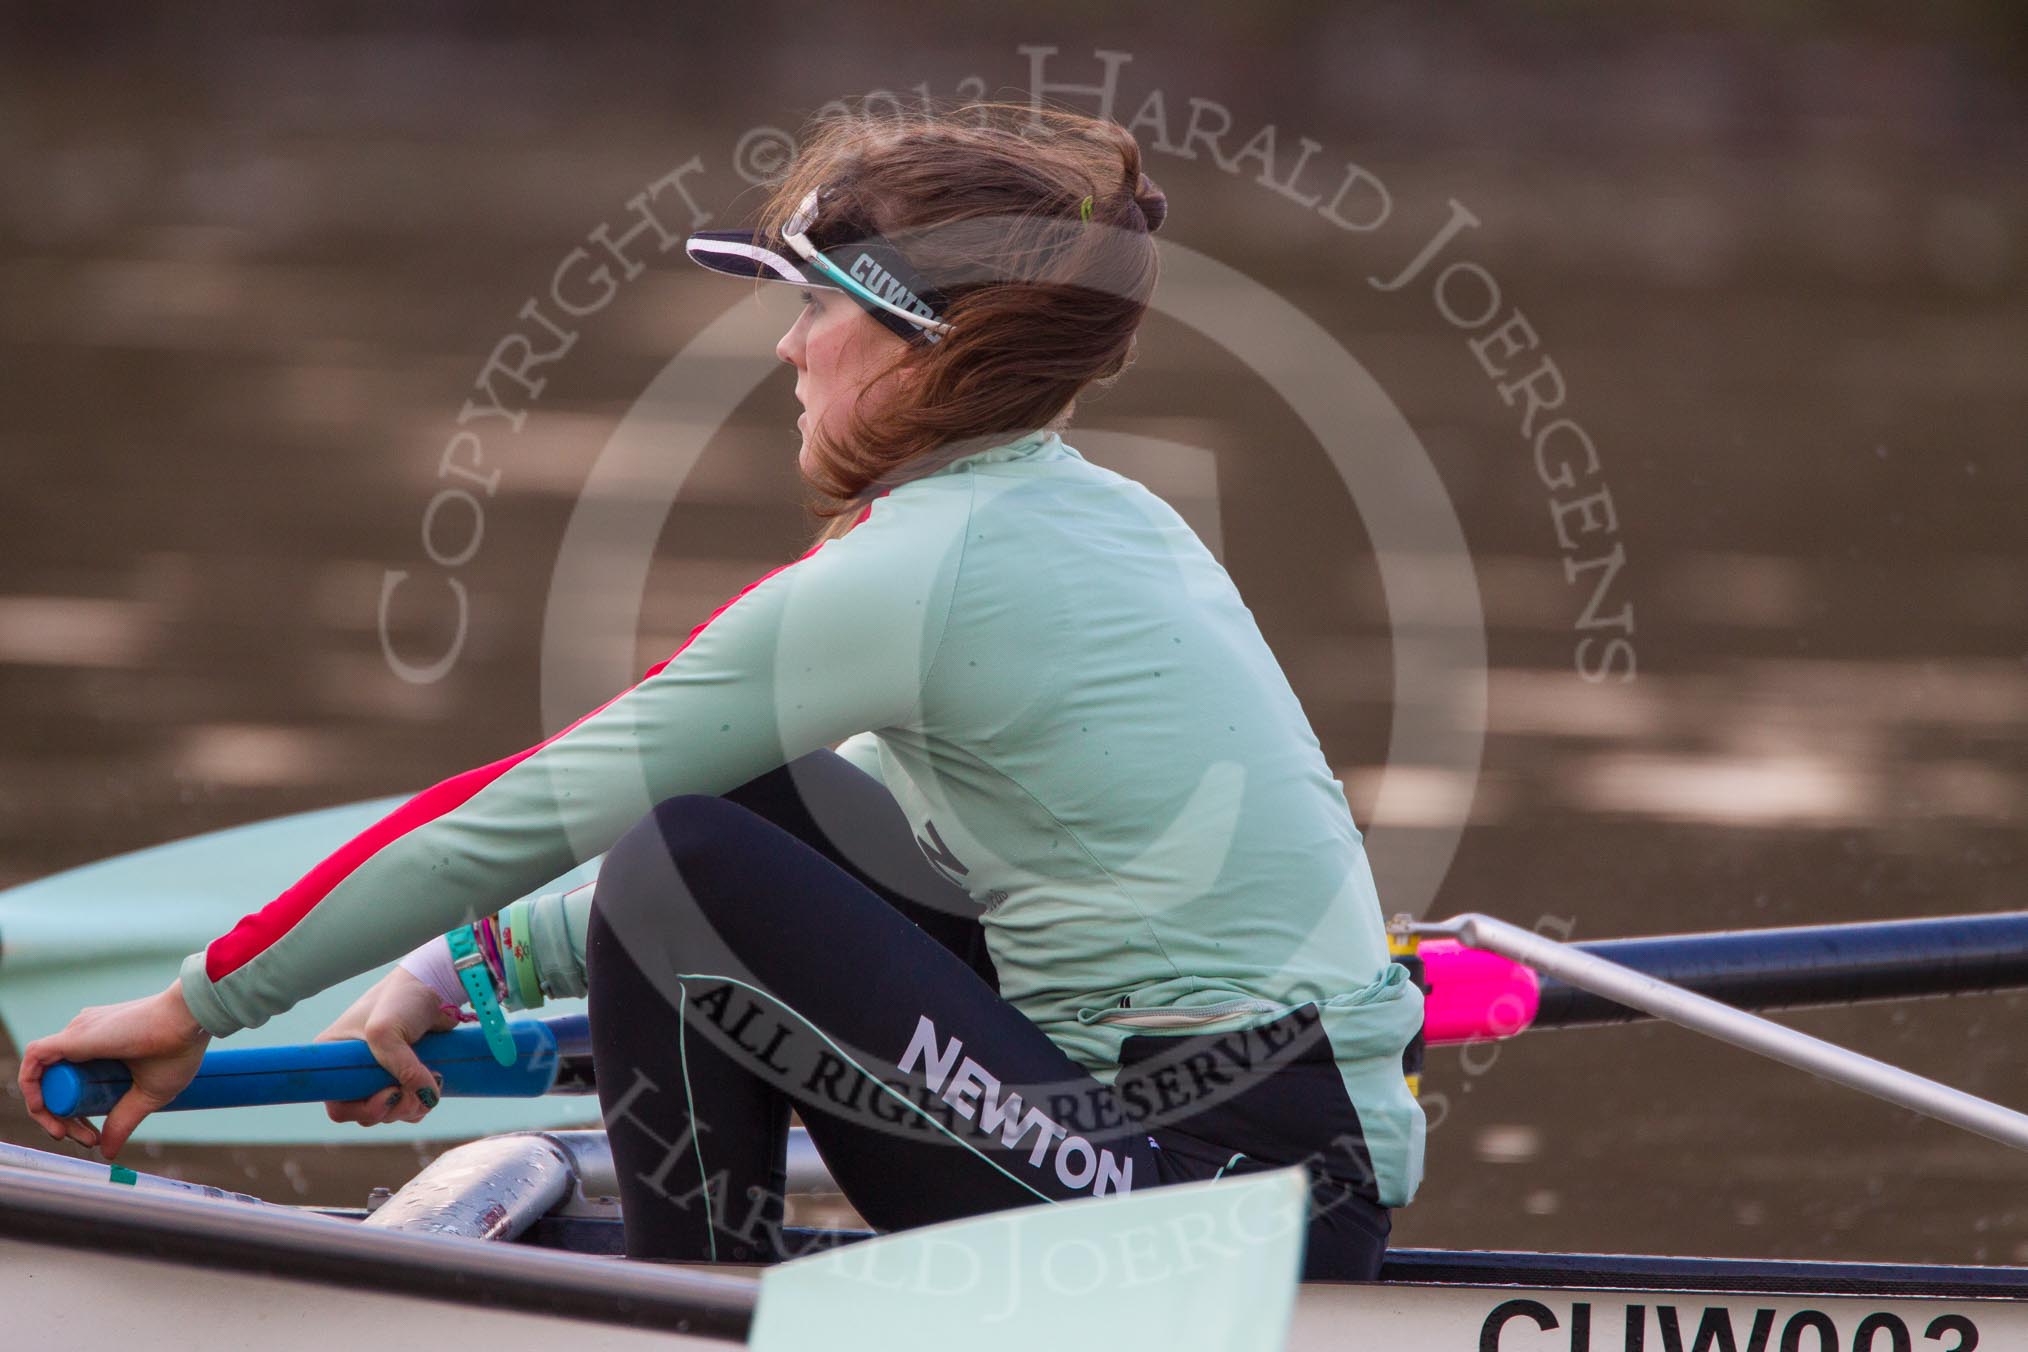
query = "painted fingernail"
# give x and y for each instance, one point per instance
(393, 1096)
(428, 1097)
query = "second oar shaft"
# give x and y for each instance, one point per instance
(1822, 1059)
(1808, 965)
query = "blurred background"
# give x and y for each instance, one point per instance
(253, 259)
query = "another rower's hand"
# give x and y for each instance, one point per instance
(157, 1036)
(388, 1018)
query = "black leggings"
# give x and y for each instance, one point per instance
(820, 964)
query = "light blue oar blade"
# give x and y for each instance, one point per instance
(1195, 1267)
(119, 928)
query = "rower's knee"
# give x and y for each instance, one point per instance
(695, 829)
(671, 856)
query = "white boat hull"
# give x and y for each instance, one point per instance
(81, 1301)
(70, 1298)
(1519, 1319)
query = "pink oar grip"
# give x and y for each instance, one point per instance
(1474, 995)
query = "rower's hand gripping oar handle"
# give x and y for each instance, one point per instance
(316, 1072)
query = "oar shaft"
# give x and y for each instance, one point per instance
(1807, 965)
(314, 1072)
(1691, 1010)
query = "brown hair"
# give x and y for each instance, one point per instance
(987, 201)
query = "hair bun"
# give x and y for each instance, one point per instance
(1152, 201)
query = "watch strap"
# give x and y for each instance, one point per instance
(470, 965)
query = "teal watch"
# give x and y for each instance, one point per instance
(470, 965)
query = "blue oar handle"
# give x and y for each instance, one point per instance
(314, 1072)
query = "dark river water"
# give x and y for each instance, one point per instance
(248, 278)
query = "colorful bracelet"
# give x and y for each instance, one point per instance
(488, 931)
(519, 952)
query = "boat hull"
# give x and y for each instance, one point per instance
(183, 1270)
(60, 1297)
(73, 1298)
(1564, 1319)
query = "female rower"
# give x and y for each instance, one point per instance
(1075, 905)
